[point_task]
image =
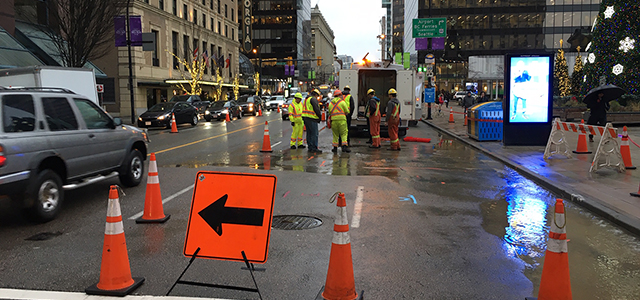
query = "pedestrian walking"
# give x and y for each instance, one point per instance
(598, 115)
(295, 116)
(374, 116)
(393, 119)
(467, 101)
(311, 117)
(337, 121)
(350, 100)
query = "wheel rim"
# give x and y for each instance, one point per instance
(49, 195)
(136, 167)
(195, 119)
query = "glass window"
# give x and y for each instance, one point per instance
(557, 17)
(93, 116)
(195, 16)
(577, 17)
(184, 12)
(566, 20)
(59, 114)
(161, 4)
(18, 113)
(175, 7)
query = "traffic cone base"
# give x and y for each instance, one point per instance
(266, 141)
(94, 290)
(153, 211)
(636, 194)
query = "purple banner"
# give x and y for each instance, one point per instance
(422, 43)
(135, 24)
(121, 31)
(437, 43)
(286, 70)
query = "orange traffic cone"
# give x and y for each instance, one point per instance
(465, 119)
(625, 151)
(226, 118)
(260, 111)
(451, 116)
(278, 108)
(555, 282)
(266, 141)
(153, 212)
(174, 127)
(115, 273)
(582, 141)
(340, 280)
(324, 117)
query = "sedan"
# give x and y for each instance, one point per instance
(220, 109)
(249, 104)
(160, 114)
(275, 102)
(285, 108)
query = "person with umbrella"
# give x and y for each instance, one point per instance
(597, 101)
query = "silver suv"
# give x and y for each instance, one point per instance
(53, 140)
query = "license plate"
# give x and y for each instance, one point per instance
(147, 123)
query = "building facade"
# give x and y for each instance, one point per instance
(497, 27)
(397, 30)
(281, 32)
(323, 47)
(386, 30)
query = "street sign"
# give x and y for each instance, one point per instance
(429, 27)
(100, 88)
(231, 213)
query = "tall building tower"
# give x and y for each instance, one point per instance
(322, 47)
(386, 30)
(397, 31)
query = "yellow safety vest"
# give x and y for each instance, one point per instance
(295, 113)
(336, 112)
(307, 109)
(396, 110)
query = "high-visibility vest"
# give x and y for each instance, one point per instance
(376, 113)
(396, 111)
(336, 112)
(295, 111)
(307, 109)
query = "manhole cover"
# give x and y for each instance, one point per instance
(292, 222)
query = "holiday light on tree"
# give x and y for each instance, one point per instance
(195, 68)
(577, 77)
(256, 79)
(613, 56)
(236, 87)
(561, 85)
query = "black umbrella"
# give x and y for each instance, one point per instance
(610, 91)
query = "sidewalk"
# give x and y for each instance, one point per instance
(605, 192)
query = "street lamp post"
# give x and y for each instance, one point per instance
(258, 49)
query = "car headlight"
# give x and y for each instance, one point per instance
(250, 104)
(139, 118)
(206, 112)
(163, 117)
(226, 111)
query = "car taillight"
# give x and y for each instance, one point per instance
(3, 158)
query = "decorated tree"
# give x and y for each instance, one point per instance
(613, 56)
(195, 68)
(577, 77)
(236, 87)
(256, 79)
(561, 84)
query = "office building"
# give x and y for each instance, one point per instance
(397, 30)
(322, 47)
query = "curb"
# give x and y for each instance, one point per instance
(625, 221)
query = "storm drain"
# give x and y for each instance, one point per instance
(293, 222)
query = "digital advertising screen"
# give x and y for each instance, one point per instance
(529, 81)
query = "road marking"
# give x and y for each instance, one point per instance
(276, 144)
(357, 208)
(209, 138)
(36, 294)
(138, 215)
(285, 194)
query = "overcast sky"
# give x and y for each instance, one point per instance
(355, 24)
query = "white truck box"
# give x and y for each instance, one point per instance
(78, 80)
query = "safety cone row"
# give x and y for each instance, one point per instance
(115, 272)
(266, 141)
(340, 284)
(555, 282)
(451, 116)
(625, 151)
(174, 127)
(582, 141)
(153, 211)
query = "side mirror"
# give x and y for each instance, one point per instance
(117, 121)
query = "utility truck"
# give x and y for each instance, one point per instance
(382, 76)
(78, 80)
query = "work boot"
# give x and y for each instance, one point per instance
(334, 150)
(293, 146)
(302, 147)
(369, 142)
(346, 149)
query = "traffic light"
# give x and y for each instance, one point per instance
(319, 61)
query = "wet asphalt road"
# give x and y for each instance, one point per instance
(476, 228)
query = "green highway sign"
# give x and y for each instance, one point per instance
(429, 27)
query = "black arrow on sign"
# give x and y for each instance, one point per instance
(216, 213)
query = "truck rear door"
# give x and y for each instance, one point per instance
(406, 96)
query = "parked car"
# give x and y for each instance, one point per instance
(194, 100)
(54, 140)
(275, 101)
(220, 109)
(249, 104)
(160, 114)
(285, 108)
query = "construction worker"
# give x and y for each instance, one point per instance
(295, 116)
(338, 111)
(372, 112)
(311, 118)
(350, 100)
(393, 119)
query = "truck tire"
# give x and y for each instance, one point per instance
(46, 195)
(131, 171)
(413, 123)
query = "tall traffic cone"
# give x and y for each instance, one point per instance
(340, 283)
(153, 212)
(260, 111)
(625, 151)
(266, 141)
(226, 118)
(324, 117)
(465, 119)
(555, 282)
(174, 127)
(115, 273)
(451, 116)
(582, 141)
